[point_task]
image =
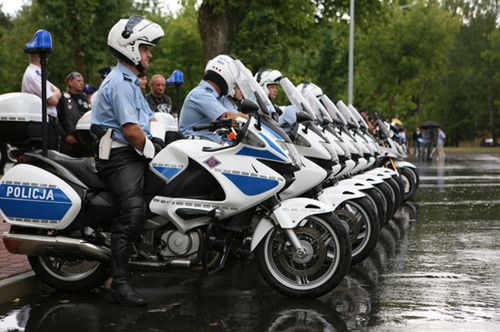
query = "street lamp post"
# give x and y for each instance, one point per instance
(351, 54)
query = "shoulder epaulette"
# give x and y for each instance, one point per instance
(127, 78)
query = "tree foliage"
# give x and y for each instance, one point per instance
(415, 59)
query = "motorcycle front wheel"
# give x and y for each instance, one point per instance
(327, 259)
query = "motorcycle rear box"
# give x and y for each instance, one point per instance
(20, 118)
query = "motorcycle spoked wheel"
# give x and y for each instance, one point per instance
(350, 223)
(369, 230)
(327, 259)
(69, 273)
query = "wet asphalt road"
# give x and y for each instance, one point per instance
(436, 268)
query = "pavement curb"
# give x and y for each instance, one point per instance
(18, 286)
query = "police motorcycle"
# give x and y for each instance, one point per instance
(391, 154)
(394, 158)
(372, 182)
(362, 131)
(202, 199)
(315, 178)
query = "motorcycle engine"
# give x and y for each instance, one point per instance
(177, 244)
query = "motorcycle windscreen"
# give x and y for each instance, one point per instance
(317, 106)
(332, 110)
(357, 116)
(33, 197)
(249, 87)
(296, 99)
(347, 114)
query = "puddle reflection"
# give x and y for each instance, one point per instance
(236, 301)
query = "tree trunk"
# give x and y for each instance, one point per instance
(218, 27)
(75, 36)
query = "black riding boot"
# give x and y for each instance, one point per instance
(121, 292)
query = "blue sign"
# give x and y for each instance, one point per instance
(33, 202)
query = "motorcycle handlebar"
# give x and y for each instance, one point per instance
(214, 125)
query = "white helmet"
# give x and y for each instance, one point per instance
(266, 77)
(126, 36)
(218, 71)
(308, 86)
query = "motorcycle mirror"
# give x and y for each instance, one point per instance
(247, 107)
(303, 117)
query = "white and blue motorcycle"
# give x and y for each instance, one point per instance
(205, 201)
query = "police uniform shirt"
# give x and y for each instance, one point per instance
(120, 101)
(229, 105)
(32, 83)
(289, 117)
(201, 106)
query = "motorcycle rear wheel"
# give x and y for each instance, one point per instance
(69, 273)
(326, 263)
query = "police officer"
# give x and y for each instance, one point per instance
(72, 105)
(32, 84)
(202, 105)
(269, 80)
(121, 117)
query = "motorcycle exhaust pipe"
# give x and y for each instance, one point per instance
(39, 245)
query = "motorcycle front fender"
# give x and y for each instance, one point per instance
(336, 195)
(288, 215)
(402, 163)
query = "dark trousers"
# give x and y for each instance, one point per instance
(124, 176)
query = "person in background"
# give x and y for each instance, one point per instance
(32, 84)
(143, 82)
(73, 104)
(157, 99)
(440, 140)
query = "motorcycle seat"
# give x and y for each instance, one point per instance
(83, 168)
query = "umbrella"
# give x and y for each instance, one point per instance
(429, 124)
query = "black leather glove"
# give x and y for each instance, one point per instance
(158, 143)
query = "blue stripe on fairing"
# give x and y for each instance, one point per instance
(250, 185)
(274, 146)
(168, 172)
(278, 137)
(246, 151)
(27, 207)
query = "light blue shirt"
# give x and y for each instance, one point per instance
(289, 117)
(120, 101)
(229, 105)
(200, 107)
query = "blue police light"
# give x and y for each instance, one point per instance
(176, 78)
(41, 43)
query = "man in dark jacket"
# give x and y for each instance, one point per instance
(72, 105)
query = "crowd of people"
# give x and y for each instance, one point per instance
(65, 108)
